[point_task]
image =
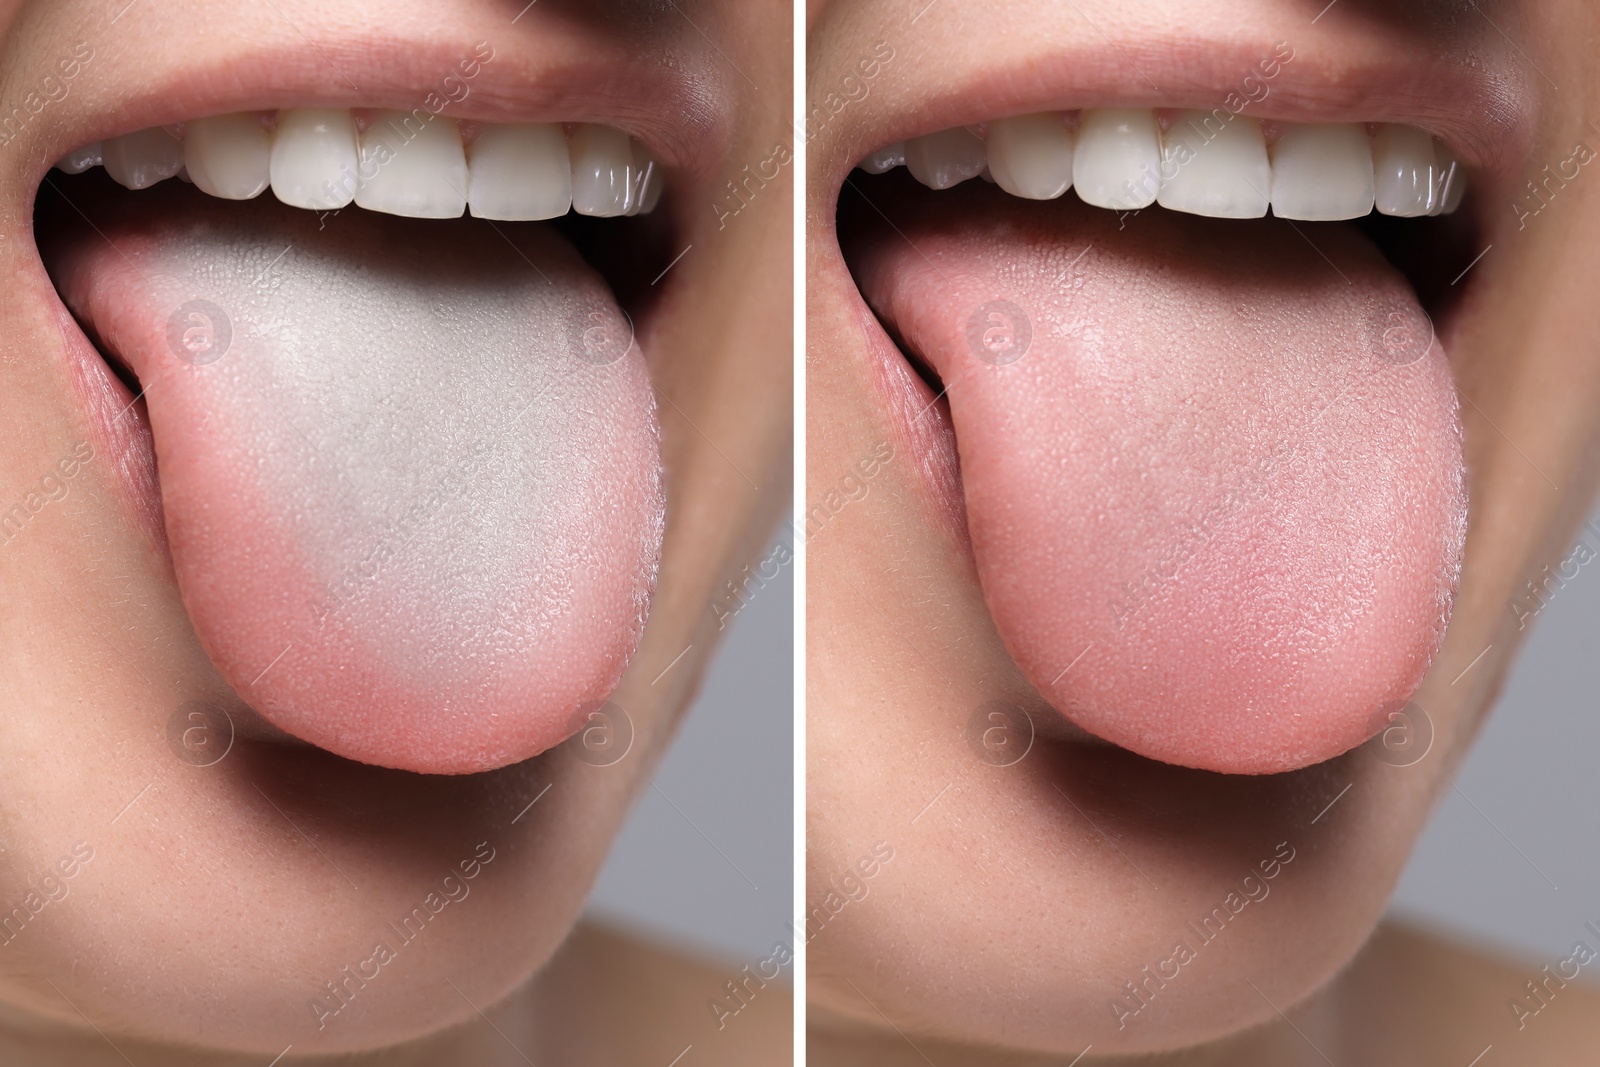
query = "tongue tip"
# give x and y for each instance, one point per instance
(423, 751)
(454, 693)
(430, 729)
(1260, 725)
(1263, 753)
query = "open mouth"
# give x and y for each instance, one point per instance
(1208, 462)
(398, 437)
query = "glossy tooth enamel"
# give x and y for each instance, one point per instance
(1031, 156)
(646, 180)
(1205, 163)
(1452, 182)
(520, 173)
(949, 157)
(80, 160)
(602, 171)
(885, 159)
(1117, 161)
(412, 165)
(315, 158)
(401, 163)
(1322, 173)
(1404, 172)
(228, 156)
(139, 160)
(1215, 164)
(653, 187)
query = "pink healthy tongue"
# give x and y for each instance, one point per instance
(411, 478)
(1213, 481)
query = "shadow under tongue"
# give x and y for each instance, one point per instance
(1212, 471)
(410, 473)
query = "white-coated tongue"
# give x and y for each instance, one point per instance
(410, 473)
(1212, 470)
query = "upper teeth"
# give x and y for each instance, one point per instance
(397, 162)
(1203, 162)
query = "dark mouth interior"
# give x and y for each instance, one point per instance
(628, 252)
(1432, 252)
(63, 196)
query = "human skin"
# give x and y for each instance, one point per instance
(217, 897)
(1020, 898)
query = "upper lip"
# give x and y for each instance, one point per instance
(1476, 109)
(570, 73)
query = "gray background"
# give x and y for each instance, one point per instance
(706, 860)
(1511, 859)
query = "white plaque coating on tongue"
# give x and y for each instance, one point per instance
(411, 478)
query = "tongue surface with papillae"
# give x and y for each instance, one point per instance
(410, 474)
(1212, 468)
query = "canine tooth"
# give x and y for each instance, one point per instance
(519, 172)
(1451, 181)
(1215, 164)
(646, 180)
(654, 182)
(1031, 156)
(227, 155)
(412, 164)
(602, 171)
(1404, 172)
(1322, 172)
(313, 163)
(885, 159)
(1116, 163)
(946, 158)
(80, 160)
(139, 160)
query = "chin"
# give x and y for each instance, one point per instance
(286, 897)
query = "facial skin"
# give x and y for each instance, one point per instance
(1021, 898)
(208, 903)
